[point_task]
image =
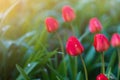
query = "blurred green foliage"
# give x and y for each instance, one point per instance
(24, 40)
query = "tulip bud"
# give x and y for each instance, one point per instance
(115, 40)
(74, 47)
(101, 43)
(51, 24)
(101, 77)
(95, 25)
(68, 13)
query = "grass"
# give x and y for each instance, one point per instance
(28, 51)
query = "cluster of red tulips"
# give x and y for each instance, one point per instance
(74, 46)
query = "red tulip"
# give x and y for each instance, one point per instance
(68, 13)
(74, 47)
(115, 40)
(95, 25)
(51, 24)
(101, 43)
(101, 77)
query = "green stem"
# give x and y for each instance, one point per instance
(103, 64)
(85, 69)
(72, 29)
(118, 65)
(84, 35)
(62, 49)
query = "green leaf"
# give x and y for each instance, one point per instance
(72, 67)
(109, 72)
(22, 72)
(47, 56)
(30, 67)
(41, 39)
(28, 34)
(111, 62)
(78, 76)
(58, 78)
(90, 55)
(7, 43)
(56, 73)
(60, 67)
(34, 56)
(37, 60)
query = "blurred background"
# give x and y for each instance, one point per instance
(25, 41)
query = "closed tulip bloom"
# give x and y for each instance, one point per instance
(101, 77)
(51, 24)
(115, 40)
(73, 46)
(95, 25)
(101, 43)
(68, 13)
